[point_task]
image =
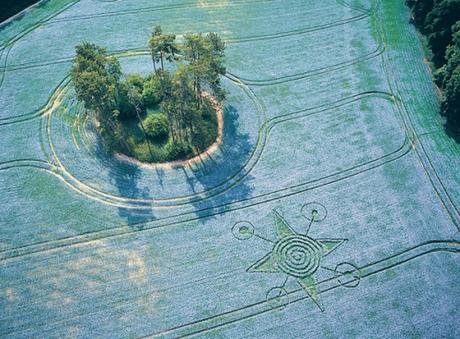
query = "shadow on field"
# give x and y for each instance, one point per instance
(214, 170)
(235, 151)
(125, 177)
(452, 132)
(127, 184)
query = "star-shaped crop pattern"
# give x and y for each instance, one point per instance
(297, 255)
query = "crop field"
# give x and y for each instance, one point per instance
(331, 208)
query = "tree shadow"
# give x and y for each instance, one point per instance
(125, 177)
(127, 185)
(213, 170)
(453, 132)
(235, 151)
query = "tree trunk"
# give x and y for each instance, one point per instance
(122, 141)
(161, 58)
(198, 88)
(171, 125)
(154, 64)
(143, 130)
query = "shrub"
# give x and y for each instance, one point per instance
(156, 126)
(178, 150)
(149, 94)
(135, 80)
(126, 108)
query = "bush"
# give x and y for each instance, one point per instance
(149, 94)
(439, 76)
(135, 80)
(125, 108)
(178, 150)
(156, 126)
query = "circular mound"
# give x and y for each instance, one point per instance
(155, 130)
(72, 145)
(297, 255)
(314, 211)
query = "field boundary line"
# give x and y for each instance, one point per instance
(426, 162)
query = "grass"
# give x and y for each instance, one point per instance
(151, 150)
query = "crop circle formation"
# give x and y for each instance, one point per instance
(328, 109)
(297, 255)
(277, 297)
(314, 211)
(347, 275)
(243, 230)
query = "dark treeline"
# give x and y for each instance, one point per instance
(439, 21)
(8, 8)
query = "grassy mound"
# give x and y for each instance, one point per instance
(157, 149)
(165, 116)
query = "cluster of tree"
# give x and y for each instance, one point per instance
(8, 8)
(449, 79)
(180, 92)
(439, 20)
(96, 77)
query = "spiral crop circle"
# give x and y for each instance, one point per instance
(297, 255)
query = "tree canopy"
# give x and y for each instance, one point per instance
(179, 98)
(435, 19)
(95, 76)
(162, 46)
(451, 80)
(440, 21)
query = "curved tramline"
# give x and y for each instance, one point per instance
(264, 131)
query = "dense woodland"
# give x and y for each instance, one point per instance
(167, 115)
(8, 8)
(439, 21)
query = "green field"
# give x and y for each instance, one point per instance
(330, 210)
